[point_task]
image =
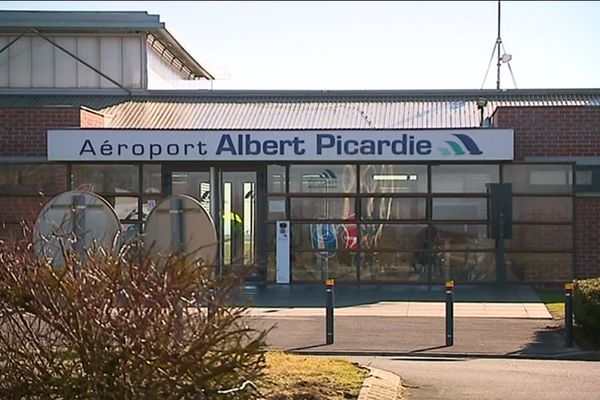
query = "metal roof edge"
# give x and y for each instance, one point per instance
(18, 21)
(82, 21)
(165, 36)
(474, 93)
(69, 92)
(413, 95)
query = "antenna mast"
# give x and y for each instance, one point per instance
(501, 56)
(498, 44)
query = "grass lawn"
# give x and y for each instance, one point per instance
(296, 377)
(554, 300)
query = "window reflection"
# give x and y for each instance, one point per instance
(323, 178)
(387, 208)
(23, 179)
(459, 208)
(539, 178)
(393, 178)
(463, 178)
(152, 178)
(464, 236)
(106, 178)
(392, 237)
(547, 209)
(541, 267)
(276, 178)
(541, 237)
(322, 208)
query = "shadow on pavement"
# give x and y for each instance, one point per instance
(313, 295)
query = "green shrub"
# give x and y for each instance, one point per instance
(121, 325)
(586, 305)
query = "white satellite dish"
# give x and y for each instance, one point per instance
(74, 221)
(179, 224)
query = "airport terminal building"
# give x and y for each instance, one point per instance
(376, 186)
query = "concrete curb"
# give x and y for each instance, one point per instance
(570, 356)
(381, 385)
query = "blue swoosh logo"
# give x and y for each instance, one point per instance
(469, 143)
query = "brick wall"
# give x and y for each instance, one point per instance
(562, 131)
(23, 134)
(23, 130)
(552, 131)
(91, 119)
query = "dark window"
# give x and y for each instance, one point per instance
(588, 179)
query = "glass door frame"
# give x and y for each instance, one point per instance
(259, 274)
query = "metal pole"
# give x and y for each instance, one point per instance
(329, 312)
(449, 313)
(79, 228)
(569, 314)
(501, 252)
(216, 214)
(498, 42)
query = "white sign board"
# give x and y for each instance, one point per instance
(288, 145)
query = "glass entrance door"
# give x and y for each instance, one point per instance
(238, 211)
(239, 218)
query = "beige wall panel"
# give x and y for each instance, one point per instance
(132, 62)
(88, 49)
(19, 55)
(65, 66)
(111, 60)
(42, 63)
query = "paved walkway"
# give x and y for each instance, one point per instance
(414, 309)
(407, 321)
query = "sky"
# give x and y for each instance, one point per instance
(358, 45)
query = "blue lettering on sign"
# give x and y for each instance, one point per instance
(404, 145)
(144, 150)
(245, 144)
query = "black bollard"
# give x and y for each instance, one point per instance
(569, 314)
(329, 312)
(449, 313)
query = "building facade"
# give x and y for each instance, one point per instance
(377, 186)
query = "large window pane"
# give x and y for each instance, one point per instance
(192, 183)
(539, 178)
(389, 208)
(276, 208)
(152, 178)
(126, 207)
(463, 178)
(464, 236)
(396, 266)
(318, 266)
(543, 209)
(468, 266)
(459, 208)
(276, 178)
(322, 208)
(539, 267)
(324, 237)
(588, 179)
(102, 178)
(323, 178)
(541, 237)
(393, 178)
(376, 237)
(24, 179)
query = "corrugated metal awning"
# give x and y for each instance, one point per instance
(306, 109)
